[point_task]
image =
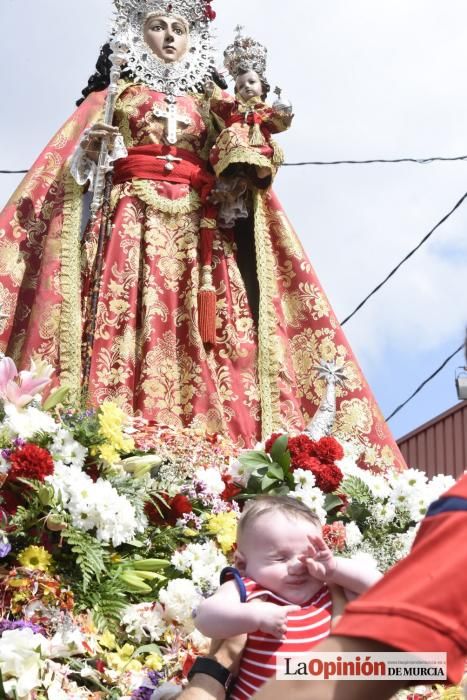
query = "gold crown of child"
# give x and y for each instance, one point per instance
(245, 54)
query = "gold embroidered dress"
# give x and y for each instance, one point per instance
(148, 353)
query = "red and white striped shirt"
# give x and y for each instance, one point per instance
(305, 628)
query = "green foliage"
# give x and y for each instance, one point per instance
(3, 695)
(26, 517)
(268, 473)
(106, 602)
(361, 499)
(85, 428)
(134, 489)
(280, 453)
(91, 556)
(59, 396)
(253, 459)
(331, 502)
(42, 439)
(357, 490)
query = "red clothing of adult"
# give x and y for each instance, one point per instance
(421, 604)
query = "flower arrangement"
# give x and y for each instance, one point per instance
(111, 532)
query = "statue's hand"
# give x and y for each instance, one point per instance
(93, 138)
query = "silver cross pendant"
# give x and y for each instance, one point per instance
(173, 119)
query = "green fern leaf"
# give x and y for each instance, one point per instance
(91, 556)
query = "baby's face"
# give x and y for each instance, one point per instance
(248, 85)
(273, 547)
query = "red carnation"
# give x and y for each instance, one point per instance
(10, 501)
(270, 442)
(100, 665)
(328, 477)
(169, 512)
(303, 452)
(210, 13)
(305, 461)
(334, 536)
(31, 462)
(328, 450)
(301, 444)
(231, 489)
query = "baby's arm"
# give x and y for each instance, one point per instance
(352, 576)
(324, 566)
(275, 120)
(221, 104)
(224, 615)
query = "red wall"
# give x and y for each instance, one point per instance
(440, 446)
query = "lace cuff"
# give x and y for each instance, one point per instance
(83, 168)
(234, 204)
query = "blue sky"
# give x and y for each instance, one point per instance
(367, 79)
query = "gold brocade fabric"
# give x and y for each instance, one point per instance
(148, 354)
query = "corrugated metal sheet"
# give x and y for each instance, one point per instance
(439, 446)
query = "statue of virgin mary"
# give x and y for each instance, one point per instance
(247, 367)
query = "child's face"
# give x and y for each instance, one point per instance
(270, 552)
(248, 85)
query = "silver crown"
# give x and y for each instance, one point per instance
(180, 77)
(193, 11)
(245, 54)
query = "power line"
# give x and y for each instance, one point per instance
(419, 161)
(404, 260)
(424, 383)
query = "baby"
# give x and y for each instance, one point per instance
(278, 595)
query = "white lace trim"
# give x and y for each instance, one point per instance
(235, 206)
(83, 169)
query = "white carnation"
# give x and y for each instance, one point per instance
(26, 422)
(20, 660)
(4, 465)
(353, 535)
(438, 486)
(383, 513)
(304, 478)
(96, 505)
(144, 622)
(239, 472)
(180, 599)
(66, 450)
(199, 641)
(211, 479)
(406, 540)
(313, 498)
(204, 562)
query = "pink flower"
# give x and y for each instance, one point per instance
(19, 388)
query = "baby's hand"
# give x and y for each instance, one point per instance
(319, 560)
(272, 618)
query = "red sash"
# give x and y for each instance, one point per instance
(172, 164)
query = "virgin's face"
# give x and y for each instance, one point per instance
(167, 37)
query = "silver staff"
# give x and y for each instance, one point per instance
(118, 58)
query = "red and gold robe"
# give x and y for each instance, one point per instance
(148, 354)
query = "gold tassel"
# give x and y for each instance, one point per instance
(256, 136)
(278, 156)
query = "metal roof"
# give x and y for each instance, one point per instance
(439, 446)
